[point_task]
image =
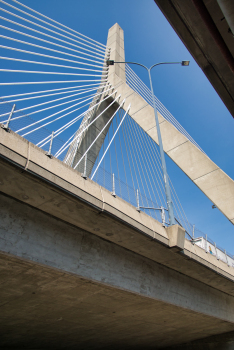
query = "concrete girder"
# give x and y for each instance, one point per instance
(85, 269)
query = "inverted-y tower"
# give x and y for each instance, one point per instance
(211, 180)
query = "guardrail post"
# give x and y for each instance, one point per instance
(113, 185)
(50, 148)
(163, 216)
(6, 127)
(206, 244)
(226, 256)
(84, 175)
(138, 201)
(216, 251)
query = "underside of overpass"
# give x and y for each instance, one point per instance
(82, 269)
(206, 27)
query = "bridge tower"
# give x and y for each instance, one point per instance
(206, 175)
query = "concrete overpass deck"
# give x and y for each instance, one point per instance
(82, 268)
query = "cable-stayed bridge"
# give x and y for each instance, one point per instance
(69, 118)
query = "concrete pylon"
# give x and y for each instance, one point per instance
(206, 175)
(115, 47)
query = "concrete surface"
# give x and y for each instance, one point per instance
(82, 268)
(115, 42)
(204, 26)
(207, 176)
(217, 342)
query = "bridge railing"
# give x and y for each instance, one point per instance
(119, 188)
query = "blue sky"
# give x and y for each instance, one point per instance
(185, 91)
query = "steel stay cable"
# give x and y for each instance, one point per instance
(42, 126)
(116, 157)
(62, 148)
(64, 127)
(38, 92)
(180, 206)
(130, 134)
(134, 138)
(60, 151)
(121, 112)
(129, 161)
(109, 150)
(127, 133)
(53, 82)
(133, 80)
(157, 155)
(149, 167)
(48, 56)
(48, 35)
(99, 134)
(48, 64)
(148, 94)
(44, 103)
(28, 14)
(162, 198)
(52, 121)
(44, 40)
(140, 132)
(44, 47)
(56, 112)
(111, 141)
(58, 23)
(165, 113)
(86, 112)
(60, 130)
(54, 94)
(52, 73)
(158, 169)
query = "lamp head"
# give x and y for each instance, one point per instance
(110, 62)
(185, 63)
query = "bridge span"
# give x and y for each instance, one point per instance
(81, 268)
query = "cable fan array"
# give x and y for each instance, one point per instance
(50, 72)
(53, 79)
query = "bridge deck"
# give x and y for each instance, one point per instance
(73, 258)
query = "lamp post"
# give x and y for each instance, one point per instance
(164, 168)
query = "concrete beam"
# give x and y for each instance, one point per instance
(78, 265)
(210, 43)
(29, 176)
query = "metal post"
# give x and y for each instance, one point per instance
(84, 175)
(113, 185)
(138, 202)
(50, 148)
(165, 175)
(193, 231)
(226, 256)
(206, 244)
(163, 216)
(164, 168)
(6, 127)
(216, 251)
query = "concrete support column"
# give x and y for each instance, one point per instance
(115, 42)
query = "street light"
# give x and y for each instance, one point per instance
(164, 168)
